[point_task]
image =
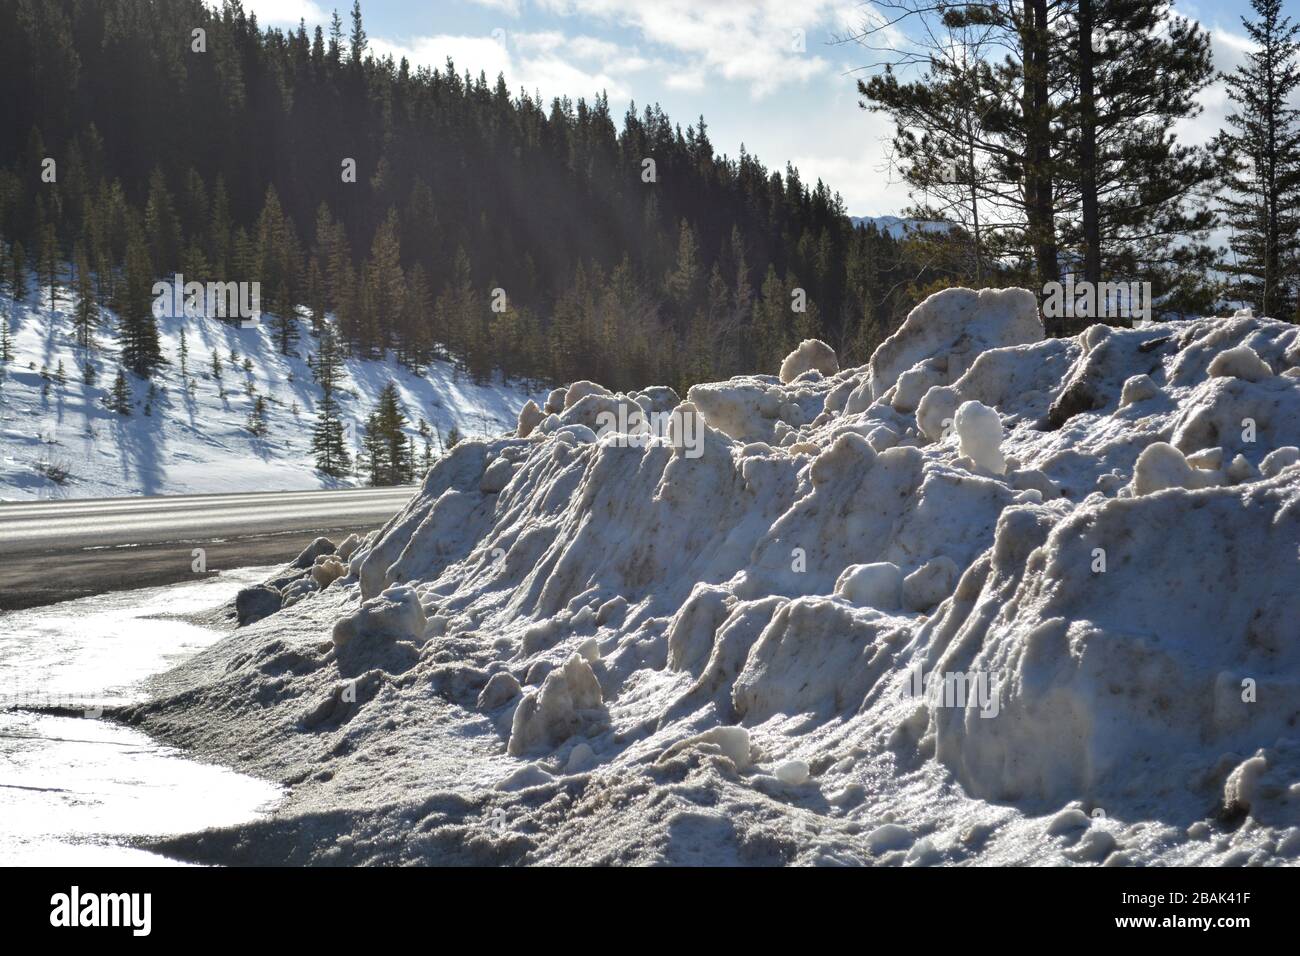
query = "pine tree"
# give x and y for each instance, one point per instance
(85, 318)
(6, 343)
(256, 423)
(388, 453)
(417, 318)
(216, 365)
(386, 281)
(1260, 159)
(48, 266)
(184, 355)
(120, 400)
(161, 226)
(286, 321)
(357, 46)
(141, 352)
(17, 272)
(328, 442)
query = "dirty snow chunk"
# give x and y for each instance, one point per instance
(930, 583)
(611, 609)
(580, 390)
(877, 585)
(530, 416)
(298, 590)
(1241, 789)
(734, 742)
(1161, 466)
(253, 604)
(496, 476)
(314, 550)
(1242, 471)
(529, 775)
(1207, 459)
(1278, 459)
(348, 547)
(916, 382)
(554, 401)
(794, 773)
(923, 853)
(889, 836)
(1095, 846)
(555, 712)
(1067, 821)
(811, 354)
(395, 613)
(934, 415)
(1240, 362)
(501, 688)
(580, 758)
(1139, 388)
(980, 431)
(327, 569)
(849, 455)
(576, 434)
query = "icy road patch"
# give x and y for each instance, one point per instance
(76, 791)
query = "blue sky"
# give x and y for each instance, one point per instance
(737, 62)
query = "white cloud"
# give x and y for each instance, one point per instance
(508, 7)
(283, 11)
(764, 45)
(467, 52)
(547, 62)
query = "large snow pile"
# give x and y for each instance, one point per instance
(195, 440)
(983, 599)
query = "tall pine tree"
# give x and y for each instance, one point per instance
(1260, 158)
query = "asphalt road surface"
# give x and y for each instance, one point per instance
(57, 550)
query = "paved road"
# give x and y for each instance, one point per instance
(55, 550)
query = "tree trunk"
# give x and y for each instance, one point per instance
(1039, 194)
(1088, 148)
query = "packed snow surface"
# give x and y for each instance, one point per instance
(195, 440)
(1026, 612)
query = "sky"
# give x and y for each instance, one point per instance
(765, 73)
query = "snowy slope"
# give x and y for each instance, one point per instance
(198, 443)
(991, 598)
(897, 226)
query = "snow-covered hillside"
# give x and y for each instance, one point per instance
(897, 226)
(990, 598)
(195, 441)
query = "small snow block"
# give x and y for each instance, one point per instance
(313, 551)
(253, 604)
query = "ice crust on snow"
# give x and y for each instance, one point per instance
(1116, 605)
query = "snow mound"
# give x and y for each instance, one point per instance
(812, 354)
(951, 328)
(825, 608)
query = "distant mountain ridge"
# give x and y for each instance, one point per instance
(897, 226)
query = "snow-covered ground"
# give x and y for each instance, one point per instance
(991, 598)
(197, 442)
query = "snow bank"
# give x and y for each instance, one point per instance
(836, 613)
